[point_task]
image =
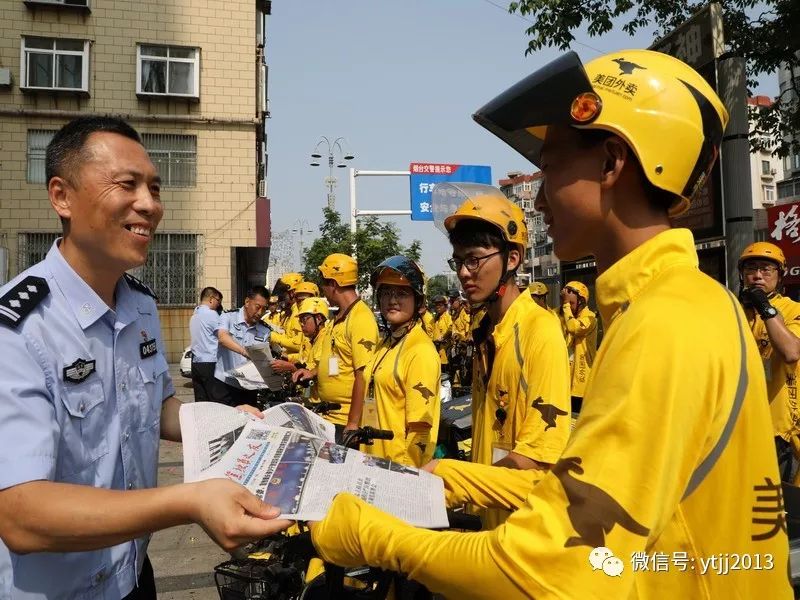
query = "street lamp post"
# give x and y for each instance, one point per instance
(337, 147)
(301, 227)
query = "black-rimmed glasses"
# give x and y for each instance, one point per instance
(471, 262)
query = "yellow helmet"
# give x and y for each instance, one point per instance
(314, 306)
(291, 279)
(644, 97)
(537, 288)
(306, 287)
(581, 288)
(766, 251)
(341, 268)
(487, 203)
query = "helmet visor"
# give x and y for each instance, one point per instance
(406, 268)
(520, 115)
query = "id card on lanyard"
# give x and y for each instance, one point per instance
(333, 359)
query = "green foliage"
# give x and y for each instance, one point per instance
(374, 241)
(437, 286)
(763, 33)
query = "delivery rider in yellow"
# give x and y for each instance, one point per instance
(427, 319)
(775, 322)
(520, 382)
(313, 315)
(672, 452)
(403, 378)
(579, 324)
(273, 316)
(349, 344)
(442, 330)
(292, 338)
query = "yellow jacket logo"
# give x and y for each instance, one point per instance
(591, 510)
(549, 412)
(424, 392)
(369, 345)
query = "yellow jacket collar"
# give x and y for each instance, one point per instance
(505, 327)
(623, 281)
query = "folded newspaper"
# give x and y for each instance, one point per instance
(257, 373)
(289, 460)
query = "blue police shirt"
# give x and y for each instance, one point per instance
(80, 403)
(203, 327)
(246, 335)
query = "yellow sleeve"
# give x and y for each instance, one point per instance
(485, 486)
(582, 325)
(546, 410)
(421, 389)
(611, 494)
(354, 533)
(363, 332)
(288, 341)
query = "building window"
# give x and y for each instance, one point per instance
(765, 168)
(526, 187)
(38, 139)
(167, 71)
(175, 157)
(78, 4)
(54, 64)
(33, 247)
(769, 194)
(787, 163)
(173, 263)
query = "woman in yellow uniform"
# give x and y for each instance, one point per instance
(403, 388)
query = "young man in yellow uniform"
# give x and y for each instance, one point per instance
(672, 460)
(775, 322)
(442, 330)
(403, 389)
(579, 324)
(520, 382)
(350, 342)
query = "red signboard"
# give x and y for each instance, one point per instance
(784, 231)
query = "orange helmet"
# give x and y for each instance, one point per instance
(343, 269)
(581, 288)
(306, 287)
(766, 251)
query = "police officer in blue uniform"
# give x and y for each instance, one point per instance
(86, 393)
(203, 327)
(238, 329)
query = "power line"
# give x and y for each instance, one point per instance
(516, 14)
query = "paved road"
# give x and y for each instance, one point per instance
(183, 557)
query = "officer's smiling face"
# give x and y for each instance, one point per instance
(570, 201)
(112, 204)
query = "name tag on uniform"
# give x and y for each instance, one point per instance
(147, 349)
(259, 338)
(333, 365)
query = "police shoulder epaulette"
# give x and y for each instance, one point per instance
(231, 310)
(20, 300)
(139, 286)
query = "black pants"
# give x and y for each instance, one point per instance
(232, 396)
(577, 403)
(146, 589)
(202, 378)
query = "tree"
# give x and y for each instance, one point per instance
(763, 33)
(437, 286)
(374, 241)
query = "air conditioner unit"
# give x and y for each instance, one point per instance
(5, 77)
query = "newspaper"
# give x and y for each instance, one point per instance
(257, 373)
(289, 460)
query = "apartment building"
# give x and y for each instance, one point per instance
(190, 76)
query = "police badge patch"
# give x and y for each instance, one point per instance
(147, 349)
(79, 370)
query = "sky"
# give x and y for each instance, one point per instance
(399, 81)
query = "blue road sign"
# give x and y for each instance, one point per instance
(425, 176)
